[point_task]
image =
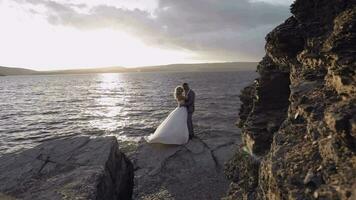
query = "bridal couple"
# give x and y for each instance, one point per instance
(177, 128)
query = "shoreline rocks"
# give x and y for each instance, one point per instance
(298, 118)
(183, 172)
(73, 168)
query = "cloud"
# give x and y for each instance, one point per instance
(280, 2)
(215, 29)
(230, 28)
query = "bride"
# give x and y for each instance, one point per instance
(174, 129)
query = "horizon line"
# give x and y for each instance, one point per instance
(128, 67)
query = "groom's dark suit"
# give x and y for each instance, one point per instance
(189, 103)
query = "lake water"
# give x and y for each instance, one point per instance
(38, 108)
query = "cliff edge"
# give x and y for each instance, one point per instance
(73, 168)
(298, 118)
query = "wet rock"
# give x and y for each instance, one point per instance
(75, 168)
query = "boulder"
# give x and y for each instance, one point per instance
(71, 168)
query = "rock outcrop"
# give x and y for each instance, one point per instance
(75, 168)
(298, 119)
(183, 172)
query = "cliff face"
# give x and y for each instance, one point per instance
(298, 119)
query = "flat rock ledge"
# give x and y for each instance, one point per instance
(72, 168)
(192, 171)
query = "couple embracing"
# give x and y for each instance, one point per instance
(177, 128)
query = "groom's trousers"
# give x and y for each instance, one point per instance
(190, 124)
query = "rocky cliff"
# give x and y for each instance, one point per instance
(298, 119)
(76, 168)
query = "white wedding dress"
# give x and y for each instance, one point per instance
(173, 130)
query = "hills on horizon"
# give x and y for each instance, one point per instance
(8, 71)
(226, 66)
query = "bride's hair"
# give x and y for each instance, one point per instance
(178, 92)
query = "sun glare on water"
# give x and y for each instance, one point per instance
(109, 112)
(109, 103)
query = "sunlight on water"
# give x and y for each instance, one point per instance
(128, 106)
(109, 101)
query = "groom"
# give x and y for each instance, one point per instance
(189, 103)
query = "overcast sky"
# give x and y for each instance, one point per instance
(59, 34)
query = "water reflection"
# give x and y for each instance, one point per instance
(128, 106)
(108, 104)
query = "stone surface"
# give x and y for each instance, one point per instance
(73, 168)
(298, 118)
(191, 171)
(267, 107)
(242, 169)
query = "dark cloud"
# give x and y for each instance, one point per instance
(215, 29)
(230, 28)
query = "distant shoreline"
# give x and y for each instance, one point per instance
(200, 67)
